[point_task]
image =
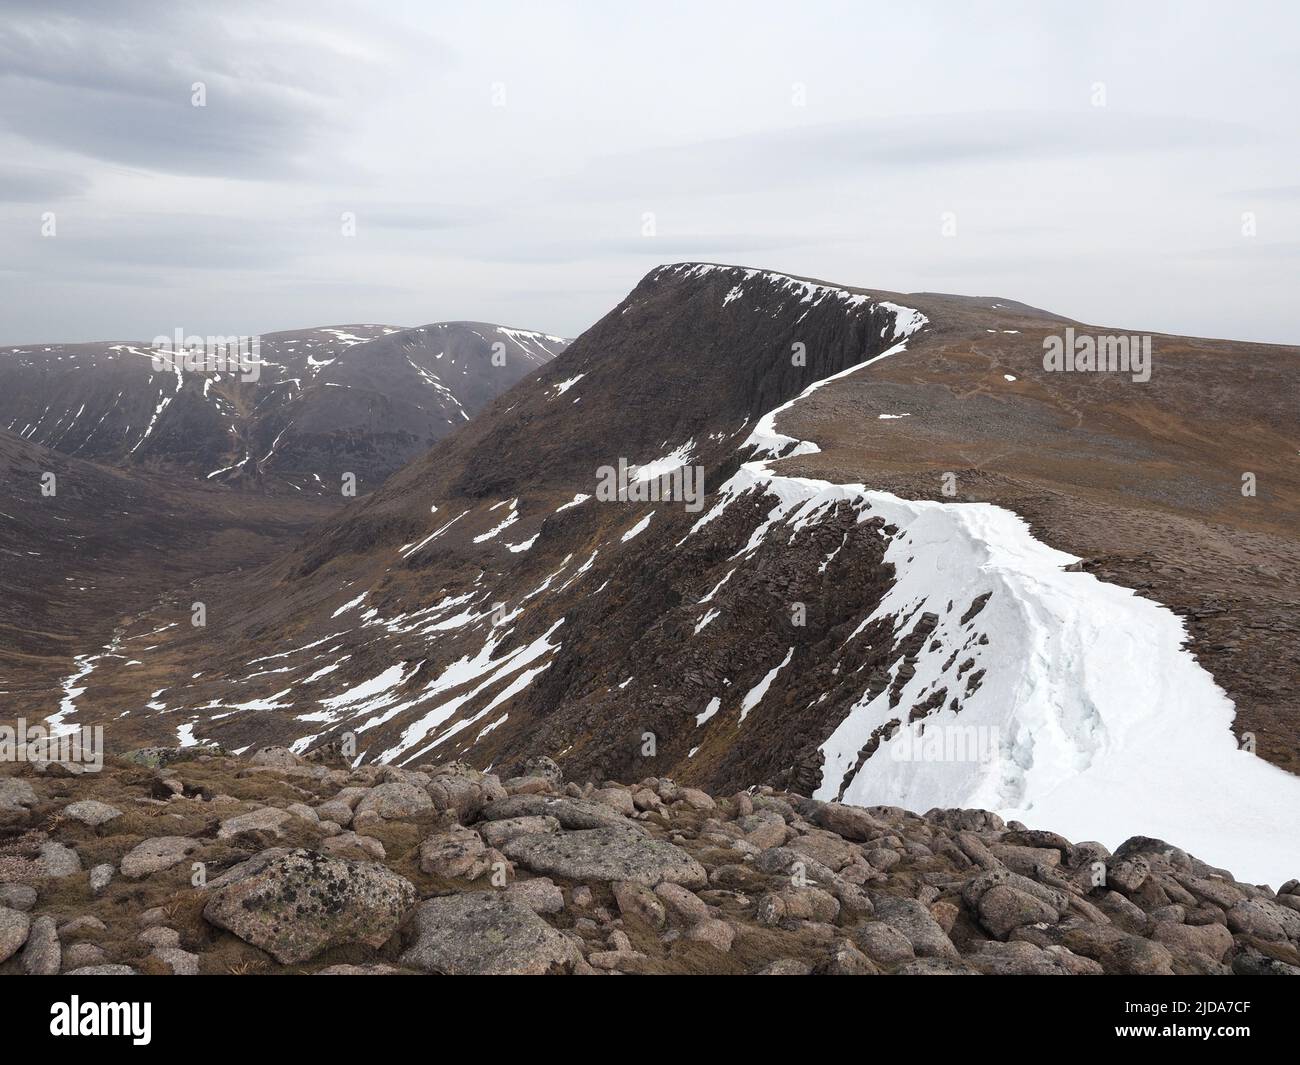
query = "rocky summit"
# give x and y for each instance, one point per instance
(193, 861)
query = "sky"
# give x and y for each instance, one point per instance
(1128, 165)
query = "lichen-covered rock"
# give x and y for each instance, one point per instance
(463, 791)
(91, 812)
(301, 903)
(14, 927)
(910, 917)
(1212, 940)
(43, 953)
(17, 896)
(484, 933)
(540, 894)
(606, 854)
(266, 819)
(180, 962)
(457, 854)
(391, 802)
(498, 833)
(277, 757)
(157, 854)
(16, 794)
(80, 955)
(57, 860)
(572, 814)
(1003, 908)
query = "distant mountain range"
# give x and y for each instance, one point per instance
(359, 399)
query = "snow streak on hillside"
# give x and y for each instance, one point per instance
(1066, 702)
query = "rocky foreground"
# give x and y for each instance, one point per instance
(190, 861)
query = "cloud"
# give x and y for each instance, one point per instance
(178, 242)
(571, 248)
(19, 184)
(532, 212)
(1273, 192)
(414, 217)
(88, 80)
(826, 153)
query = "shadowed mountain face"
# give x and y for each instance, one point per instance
(361, 399)
(490, 517)
(795, 622)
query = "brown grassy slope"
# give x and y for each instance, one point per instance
(108, 542)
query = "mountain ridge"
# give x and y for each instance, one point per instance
(605, 635)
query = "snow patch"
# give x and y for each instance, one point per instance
(755, 694)
(638, 528)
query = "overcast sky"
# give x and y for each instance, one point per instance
(500, 159)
